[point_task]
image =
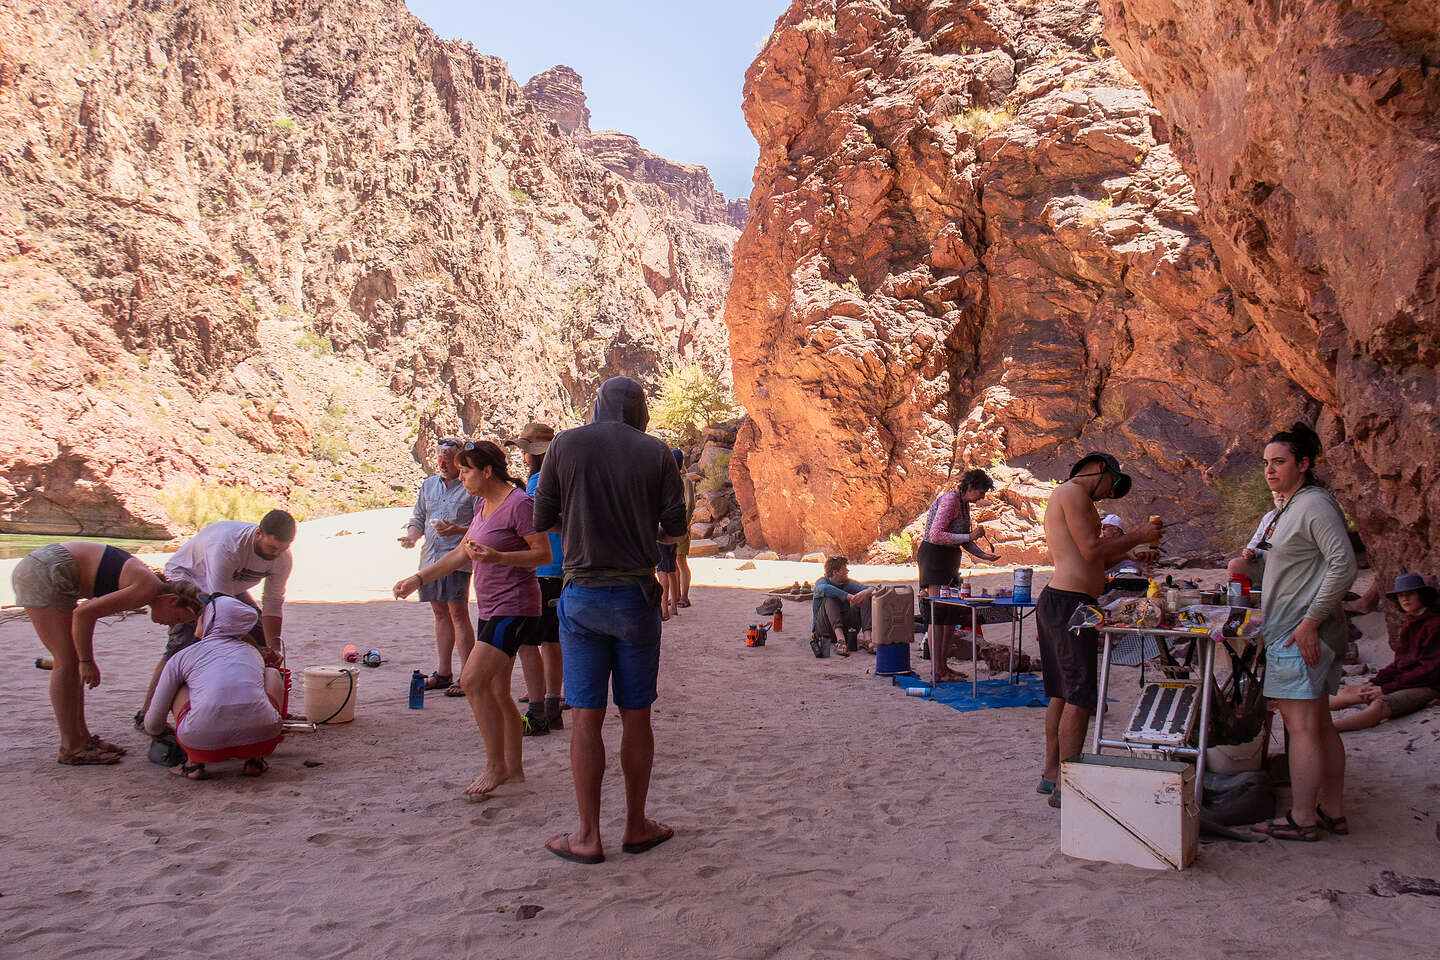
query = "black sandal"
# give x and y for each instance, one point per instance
(1289, 830)
(254, 767)
(1336, 825)
(438, 681)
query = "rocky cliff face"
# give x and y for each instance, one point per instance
(279, 245)
(559, 94)
(970, 243)
(1311, 131)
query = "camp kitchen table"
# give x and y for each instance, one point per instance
(1161, 719)
(1019, 611)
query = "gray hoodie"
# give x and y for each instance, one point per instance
(611, 488)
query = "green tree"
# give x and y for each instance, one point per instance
(690, 400)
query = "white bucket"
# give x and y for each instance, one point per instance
(330, 694)
(1239, 758)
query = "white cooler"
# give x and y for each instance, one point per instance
(1127, 810)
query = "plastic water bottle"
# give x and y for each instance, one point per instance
(417, 691)
(372, 658)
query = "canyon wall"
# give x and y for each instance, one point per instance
(970, 243)
(1311, 131)
(278, 244)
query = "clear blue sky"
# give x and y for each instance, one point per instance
(670, 74)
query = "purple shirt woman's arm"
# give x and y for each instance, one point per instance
(947, 511)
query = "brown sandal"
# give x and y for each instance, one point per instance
(1289, 830)
(88, 756)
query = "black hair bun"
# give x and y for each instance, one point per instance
(1307, 441)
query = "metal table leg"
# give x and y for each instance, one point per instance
(974, 652)
(934, 653)
(1100, 702)
(1207, 672)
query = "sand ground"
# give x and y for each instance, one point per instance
(819, 813)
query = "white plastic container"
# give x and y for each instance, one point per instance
(1126, 810)
(1239, 758)
(330, 694)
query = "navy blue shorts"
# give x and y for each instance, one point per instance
(667, 557)
(506, 634)
(452, 588)
(609, 637)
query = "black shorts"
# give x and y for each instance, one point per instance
(667, 558)
(506, 634)
(549, 631)
(938, 565)
(1068, 659)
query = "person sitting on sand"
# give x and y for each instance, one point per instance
(226, 702)
(503, 549)
(51, 584)
(840, 603)
(1412, 680)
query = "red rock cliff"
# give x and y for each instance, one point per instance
(1311, 131)
(970, 242)
(279, 245)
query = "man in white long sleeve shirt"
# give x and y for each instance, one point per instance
(227, 558)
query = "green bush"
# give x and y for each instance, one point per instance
(690, 400)
(716, 476)
(904, 544)
(1242, 503)
(191, 504)
(330, 447)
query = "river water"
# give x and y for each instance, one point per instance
(14, 545)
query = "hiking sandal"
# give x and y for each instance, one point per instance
(1289, 830)
(1336, 825)
(438, 681)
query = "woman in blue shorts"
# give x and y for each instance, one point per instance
(1309, 566)
(504, 549)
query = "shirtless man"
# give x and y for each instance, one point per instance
(1068, 659)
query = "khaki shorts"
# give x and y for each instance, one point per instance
(1409, 700)
(682, 549)
(48, 577)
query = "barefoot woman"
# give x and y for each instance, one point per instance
(505, 550)
(50, 584)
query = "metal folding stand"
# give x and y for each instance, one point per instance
(1165, 699)
(1018, 613)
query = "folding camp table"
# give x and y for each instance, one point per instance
(1019, 610)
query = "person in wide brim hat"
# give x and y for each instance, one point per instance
(1413, 582)
(1119, 481)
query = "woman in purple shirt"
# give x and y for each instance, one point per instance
(505, 549)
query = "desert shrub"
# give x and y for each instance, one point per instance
(716, 476)
(312, 341)
(283, 124)
(1242, 503)
(904, 544)
(690, 400)
(980, 121)
(192, 504)
(330, 447)
(519, 195)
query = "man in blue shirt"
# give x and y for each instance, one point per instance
(442, 514)
(540, 660)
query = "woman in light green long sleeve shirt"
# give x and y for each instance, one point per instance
(1309, 565)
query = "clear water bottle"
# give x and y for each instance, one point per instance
(417, 691)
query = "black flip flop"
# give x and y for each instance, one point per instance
(567, 854)
(662, 833)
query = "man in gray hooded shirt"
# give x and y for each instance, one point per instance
(613, 491)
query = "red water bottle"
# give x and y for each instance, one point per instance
(778, 621)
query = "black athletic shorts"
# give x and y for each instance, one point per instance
(667, 558)
(1068, 659)
(549, 631)
(506, 634)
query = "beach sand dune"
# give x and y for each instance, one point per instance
(819, 813)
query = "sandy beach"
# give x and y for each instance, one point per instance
(819, 813)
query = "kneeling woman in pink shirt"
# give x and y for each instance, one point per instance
(504, 549)
(225, 700)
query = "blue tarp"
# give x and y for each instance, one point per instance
(996, 692)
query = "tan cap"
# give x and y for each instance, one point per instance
(534, 438)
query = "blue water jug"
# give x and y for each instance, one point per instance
(417, 691)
